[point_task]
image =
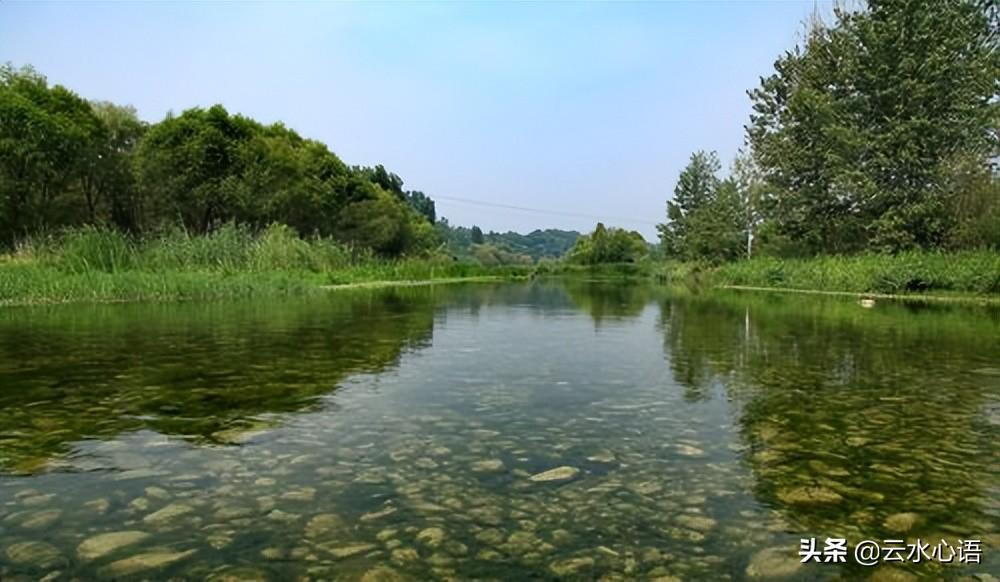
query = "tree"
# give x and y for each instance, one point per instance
(477, 235)
(49, 137)
(750, 191)
(855, 130)
(108, 182)
(608, 245)
(715, 230)
(191, 166)
(423, 204)
(696, 187)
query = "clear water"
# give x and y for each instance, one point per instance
(393, 435)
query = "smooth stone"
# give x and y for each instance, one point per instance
(42, 519)
(323, 524)
(901, 522)
(890, 574)
(38, 554)
(233, 512)
(807, 495)
(304, 494)
(564, 473)
(382, 574)
(647, 487)
(99, 505)
(352, 550)
(371, 516)
(239, 574)
(489, 556)
(432, 536)
(456, 548)
(272, 554)
(571, 566)
(426, 463)
(491, 536)
(689, 451)
(405, 555)
(36, 500)
(488, 466)
(773, 562)
(157, 493)
(696, 522)
(386, 534)
(282, 516)
(219, 541)
(104, 544)
(523, 542)
(143, 562)
(486, 515)
(168, 513)
(602, 457)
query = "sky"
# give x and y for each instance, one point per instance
(590, 109)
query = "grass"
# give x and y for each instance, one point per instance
(913, 273)
(101, 265)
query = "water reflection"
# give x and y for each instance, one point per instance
(203, 372)
(551, 430)
(859, 424)
(609, 300)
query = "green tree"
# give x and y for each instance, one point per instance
(477, 235)
(695, 188)
(608, 245)
(108, 182)
(49, 137)
(856, 129)
(191, 166)
(715, 231)
(711, 219)
(750, 191)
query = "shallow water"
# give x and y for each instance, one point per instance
(393, 434)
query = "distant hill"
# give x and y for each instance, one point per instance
(551, 242)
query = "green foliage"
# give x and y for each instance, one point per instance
(608, 245)
(908, 272)
(65, 162)
(104, 264)
(477, 235)
(857, 129)
(48, 138)
(538, 244)
(492, 255)
(708, 218)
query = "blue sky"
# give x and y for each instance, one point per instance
(591, 108)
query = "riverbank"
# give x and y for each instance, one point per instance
(97, 266)
(959, 276)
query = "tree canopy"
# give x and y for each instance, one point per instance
(879, 132)
(858, 130)
(67, 162)
(608, 245)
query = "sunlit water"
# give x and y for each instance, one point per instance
(395, 434)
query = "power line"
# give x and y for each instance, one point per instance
(541, 211)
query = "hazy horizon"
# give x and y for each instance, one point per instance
(589, 109)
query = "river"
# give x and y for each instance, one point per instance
(542, 430)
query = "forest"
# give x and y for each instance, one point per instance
(66, 162)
